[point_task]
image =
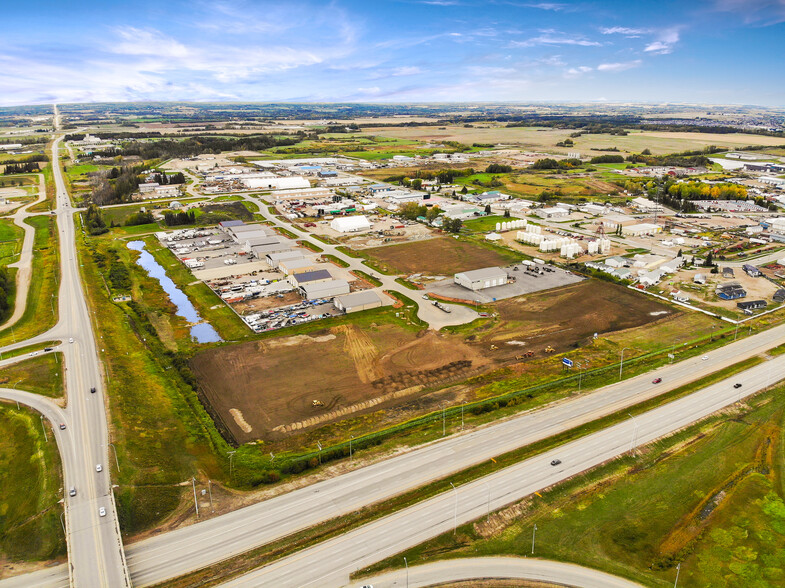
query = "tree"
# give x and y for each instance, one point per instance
(464, 190)
(487, 209)
(417, 184)
(452, 225)
(507, 213)
(411, 210)
(709, 261)
(432, 213)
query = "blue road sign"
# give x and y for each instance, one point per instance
(567, 362)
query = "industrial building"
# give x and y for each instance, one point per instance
(350, 224)
(641, 229)
(479, 279)
(357, 301)
(552, 212)
(297, 266)
(262, 251)
(273, 259)
(324, 289)
(313, 277)
(276, 183)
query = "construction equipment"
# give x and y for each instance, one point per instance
(493, 347)
(525, 355)
(317, 403)
(549, 349)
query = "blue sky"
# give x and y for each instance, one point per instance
(707, 51)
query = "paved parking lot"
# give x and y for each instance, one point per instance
(525, 282)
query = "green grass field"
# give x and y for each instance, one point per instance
(10, 242)
(43, 375)
(709, 497)
(30, 477)
(41, 306)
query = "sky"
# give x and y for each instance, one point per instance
(699, 51)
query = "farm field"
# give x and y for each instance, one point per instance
(538, 138)
(441, 256)
(260, 390)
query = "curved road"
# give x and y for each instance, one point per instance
(485, 568)
(25, 262)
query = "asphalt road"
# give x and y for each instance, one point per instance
(177, 552)
(95, 549)
(484, 568)
(330, 563)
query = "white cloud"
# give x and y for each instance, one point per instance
(575, 72)
(664, 42)
(628, 32)
(764, 12)
(551, 37)
(617, 67)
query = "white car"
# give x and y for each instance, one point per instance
(705, 357)
(71, 340)
(102, 512)
(98, 467)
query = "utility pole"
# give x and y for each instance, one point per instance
(678, 569)
(43, 427)
(443, 422)
(210, 490)
(350, 447)
(116, 461)
(406, 563)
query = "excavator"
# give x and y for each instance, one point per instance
(549, 349)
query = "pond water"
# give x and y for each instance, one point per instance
(201, 332)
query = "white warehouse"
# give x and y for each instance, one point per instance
(350, 224)
(479, 279)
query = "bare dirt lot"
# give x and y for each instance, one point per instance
(266, 389)
(441, 256)
(568, 317)
(263, 389)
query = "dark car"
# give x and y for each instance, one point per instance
(62, 426)
(555, 462)
(656, 380)
(737, 385)
(92, 390)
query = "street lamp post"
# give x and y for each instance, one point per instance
(444, 430)
(534, 533)
(196, 503)
(116, 461)
(231, 455)
(621, 363)
(210, 490)
(350, 447)
(406, 563)
(678, 569)
(455, 511)
(43, 427)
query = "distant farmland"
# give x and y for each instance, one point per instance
(537, 138)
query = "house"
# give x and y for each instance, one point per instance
(357, 301)
(750, 305)
(779, 295)
(751, 270)
(699, 278)
(480, 279)
(727, 272)
(350, 224)
(730, 291)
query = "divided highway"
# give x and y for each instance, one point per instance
(330, 563)
(95, 548)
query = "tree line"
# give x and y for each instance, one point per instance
(21, 168)
(192, 146)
